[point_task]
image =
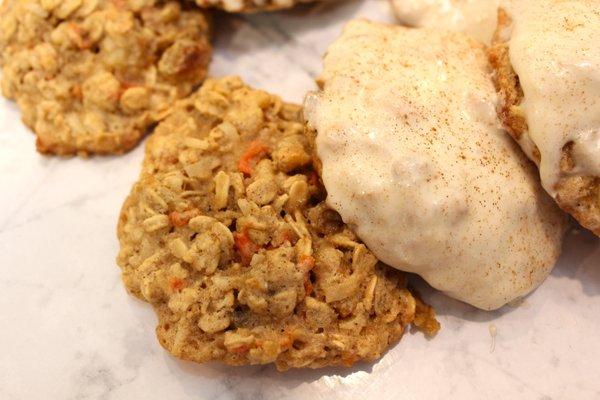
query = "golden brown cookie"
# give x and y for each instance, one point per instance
(227, 235)
(91, 76)
(576, 193)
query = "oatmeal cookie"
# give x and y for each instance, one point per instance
(250, 6)
(91, 76)
(574, 185)
(227, 235)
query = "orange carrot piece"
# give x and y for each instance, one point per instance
(177, 284)
(245, 247)
(313, 179)
(255, 151)
(349, 359)
(243, 349)
(308, 287)
(306, 263)
(178, 219)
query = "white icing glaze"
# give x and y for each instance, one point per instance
(414, 160)
(555, 51)
(474, 17)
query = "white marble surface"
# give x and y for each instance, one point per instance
(69, 330)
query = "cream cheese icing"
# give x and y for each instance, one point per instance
(554, 48)
(414, 159)
(474, 17)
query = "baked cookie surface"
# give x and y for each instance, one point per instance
(250, 6)
(90, 76)
(575, 183)
(227, 235)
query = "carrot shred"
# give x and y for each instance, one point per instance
(243, 349)
(306, 263)
(83, 43)
(77, 92)
(177, 284)
(349, 360)
(255, 151)
(308, 287)
(245, 247)
(178, 219)
(286, 341)
(313, 179)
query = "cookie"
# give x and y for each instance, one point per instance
(558, 129)
(473, 17)
(250, 6)
(227, 235)
(413, 156)
(91, 76)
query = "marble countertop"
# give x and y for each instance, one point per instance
(70, 331)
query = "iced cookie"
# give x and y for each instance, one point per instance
(414, 159)
(547, 70)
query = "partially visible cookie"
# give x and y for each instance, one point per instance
(227, 235)
(568, 159)
(91, 76)
(250, 6)
(476, 18)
